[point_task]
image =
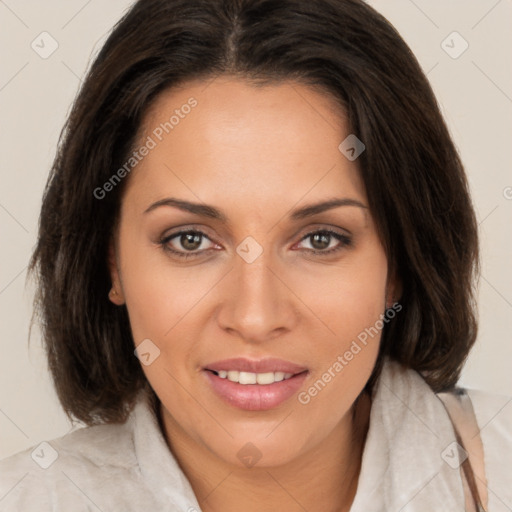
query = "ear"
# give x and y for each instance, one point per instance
(116, 294)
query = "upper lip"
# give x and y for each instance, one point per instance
(266, 365)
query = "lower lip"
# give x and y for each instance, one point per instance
(255, 397)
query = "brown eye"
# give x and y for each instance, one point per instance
(320, 240)
(186, 243)
(326, 241)
(190, 241)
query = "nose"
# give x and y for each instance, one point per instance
(257, 304)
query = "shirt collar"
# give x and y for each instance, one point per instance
(403, 467)
(158, 465)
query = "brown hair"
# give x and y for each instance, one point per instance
(415, 182)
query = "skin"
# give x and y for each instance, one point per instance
(256, 154)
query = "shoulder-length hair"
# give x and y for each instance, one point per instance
(415, 182)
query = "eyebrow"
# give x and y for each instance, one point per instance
(211, 212)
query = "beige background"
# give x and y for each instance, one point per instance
(474, 90)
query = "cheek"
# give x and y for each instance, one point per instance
(158, 293)
(351, 304)
(157, 301)
(161, 300)
(350, 296)
(352, 308)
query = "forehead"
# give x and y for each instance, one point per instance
(227, 139)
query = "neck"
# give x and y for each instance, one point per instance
(324, 478)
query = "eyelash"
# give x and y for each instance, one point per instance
(344, 239)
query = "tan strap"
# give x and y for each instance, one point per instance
(467, 433)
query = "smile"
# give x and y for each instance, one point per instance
(253, 378)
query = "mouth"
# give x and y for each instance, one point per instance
(255, 385)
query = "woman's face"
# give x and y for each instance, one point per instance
(262, 186)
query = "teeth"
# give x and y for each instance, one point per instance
(253, 378)
(269, 378)
(233, 375)
(247, 378)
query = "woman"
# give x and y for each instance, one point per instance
(261, 201)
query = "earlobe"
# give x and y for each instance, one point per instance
(115, 297)
(115, 294)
